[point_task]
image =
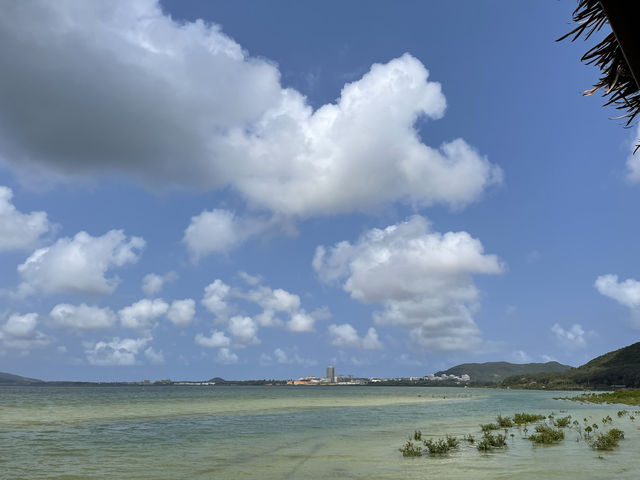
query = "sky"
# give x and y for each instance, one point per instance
(261, 189)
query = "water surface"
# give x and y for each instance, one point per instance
(286, 432)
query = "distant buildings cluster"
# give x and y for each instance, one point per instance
(331, 378)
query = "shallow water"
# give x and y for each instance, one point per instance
(286, 432)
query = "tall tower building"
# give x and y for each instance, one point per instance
(331, 373)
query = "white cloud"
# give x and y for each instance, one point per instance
(521, 356)
(181, 312)
(117, 352)
(19, 231)
(153, 283)
(626, 293)
(283, 357)
(79, 264)
(217, 339)
(422, 279)
(244, 330)
(226, 356)
(232, 123)
(142, 314)
(82, 317)
(215, 298)
(278, 301)
(633, 161)
(219, 231)
(347, 337)
(574, 337)
(156, 358)
(252, 280)
(301, 322)
(19, 332)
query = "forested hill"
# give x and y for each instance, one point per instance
(10, 379)
(495, 372)
(618, 368)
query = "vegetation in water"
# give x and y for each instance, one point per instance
(441, 446)
(628, 397)
(410, 449)
(469, 438)
(525, 418)
(622, 413)
(487, 427)
(607, 441)
(490, 441)
(546, 435)
(504, 422)
(562, 422)
(607, 419)
(417, 435)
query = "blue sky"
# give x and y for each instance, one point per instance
(258, 190)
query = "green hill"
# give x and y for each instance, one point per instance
(620, 367)
(10, 379)
(495, 372)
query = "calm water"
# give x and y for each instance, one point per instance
(285, 432)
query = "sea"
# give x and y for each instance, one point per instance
(267, 432)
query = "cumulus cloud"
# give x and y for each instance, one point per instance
(215, 340)
(346, 336)
(232, 124)
(521, 356)
(19, 332)
(181, 312)
(252, 280)
(218, 231)
(243, 330)
(79, 264)
(626, 293)
(226, 357)
(142, 314)
(117, 352)
(574, 337)
(286, 357)
(276, 302)
(423, 279)
(153, 283)
(215, 298)
(301, 322)
(82, 317)
(156, 358)
(19, 231)
(633, 161)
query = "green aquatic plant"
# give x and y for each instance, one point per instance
(487, 427)
(595, 426)
(525, 418)
(469, 438)
(632, 418)
(410, 449)
(490, 441)
(441, 446)
(607, 441)
(562, 422)
(588, 430)
(622, 413)
(627, 397)
(504, 422)
(452, 441)
(417, 435)
(607, 419)
(546, 435)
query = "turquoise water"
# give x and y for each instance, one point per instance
(286, 432)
